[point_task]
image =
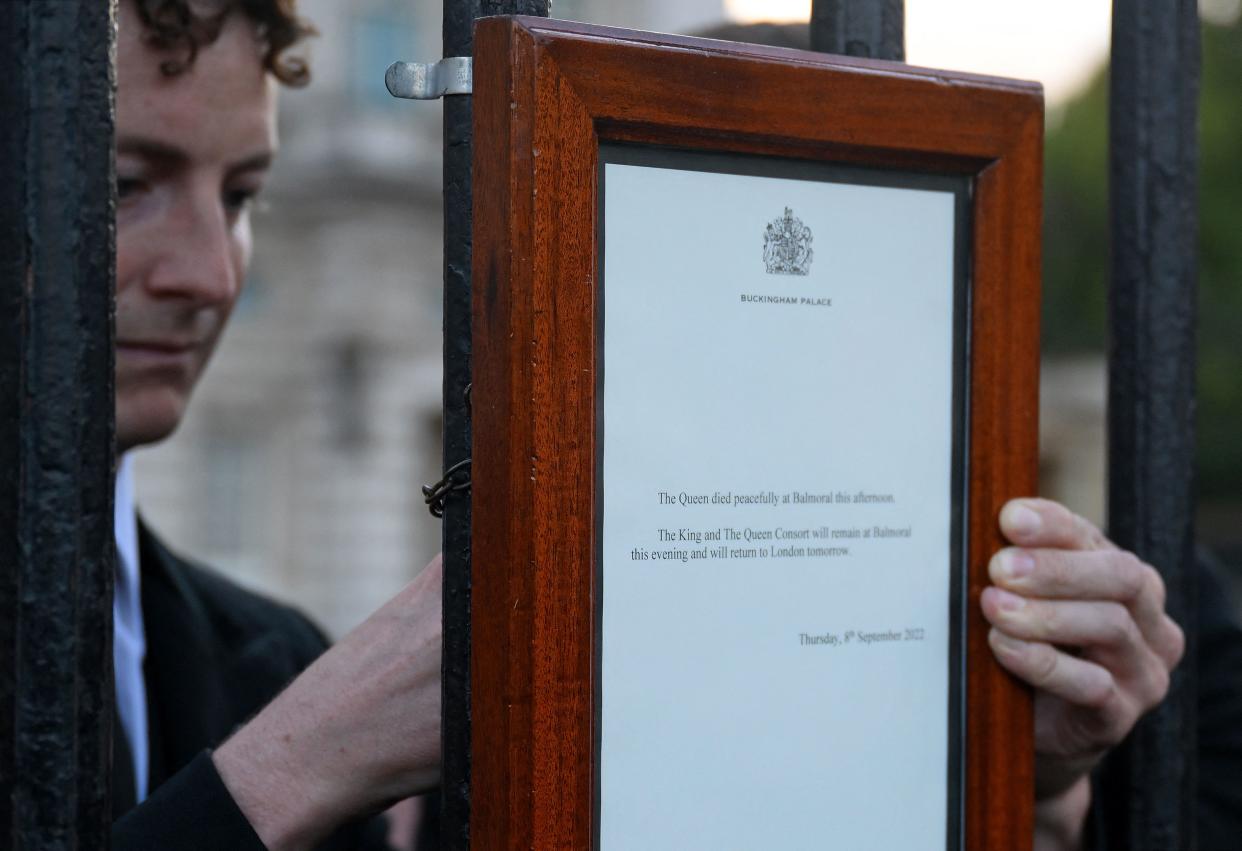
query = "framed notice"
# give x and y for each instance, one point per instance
(755, 368)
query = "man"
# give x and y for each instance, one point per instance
(1080, 620)
(359, 729)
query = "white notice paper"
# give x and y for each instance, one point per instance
(777, 493)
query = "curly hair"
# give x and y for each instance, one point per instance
(174, 25)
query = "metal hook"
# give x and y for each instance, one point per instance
(430, 80)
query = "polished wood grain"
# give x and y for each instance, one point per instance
(546, 94)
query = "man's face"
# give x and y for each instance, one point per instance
(192, 152)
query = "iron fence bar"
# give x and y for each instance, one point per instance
(872, 28)
(459, 17)
(1149, 787)
(56, 427)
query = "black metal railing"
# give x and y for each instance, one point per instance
(1149, 784)
(56, 432)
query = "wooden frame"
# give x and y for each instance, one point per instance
(547, 94)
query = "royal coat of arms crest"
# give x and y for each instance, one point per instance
(787, 246)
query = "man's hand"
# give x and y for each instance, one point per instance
(356, 732)
(1084, 623)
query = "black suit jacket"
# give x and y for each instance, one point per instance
(216, 654)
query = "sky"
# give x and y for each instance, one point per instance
(1057, 42)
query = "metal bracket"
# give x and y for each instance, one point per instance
(430, 80)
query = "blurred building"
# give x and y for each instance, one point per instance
(672, 16)
(1073, 457)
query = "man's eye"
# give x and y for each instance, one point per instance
(239, 200)
(127, 187)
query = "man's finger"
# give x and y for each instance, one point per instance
(1077, 623)
(1107, 575)
(1104, 630)
(1032, 522)
(1068, 574)
(1078, 681)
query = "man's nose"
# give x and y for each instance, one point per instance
(197, 259)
